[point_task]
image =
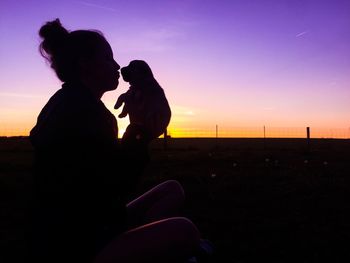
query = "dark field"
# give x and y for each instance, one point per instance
(272, 201)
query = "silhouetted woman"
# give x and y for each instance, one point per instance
(83, 173)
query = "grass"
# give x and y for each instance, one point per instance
(276, 200)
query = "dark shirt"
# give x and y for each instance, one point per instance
(82, 176)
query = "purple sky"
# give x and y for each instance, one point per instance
(239, 63)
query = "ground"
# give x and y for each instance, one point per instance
(273, 200)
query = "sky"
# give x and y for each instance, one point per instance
(238, 64)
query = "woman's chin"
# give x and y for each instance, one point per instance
(114, 86)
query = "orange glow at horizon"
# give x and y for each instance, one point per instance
(228, 132)
(185, 123)
(258, 132)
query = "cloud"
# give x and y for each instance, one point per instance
(269, 109)
(155, 40)
(160, 37)
(301, 34)
(189, 113)
(182, 111)
(17, 95)
(96, 6)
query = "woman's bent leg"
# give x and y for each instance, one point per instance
(169, 240)
(163, 201)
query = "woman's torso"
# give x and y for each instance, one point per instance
(79, 201)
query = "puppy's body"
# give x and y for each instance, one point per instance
(145, 101)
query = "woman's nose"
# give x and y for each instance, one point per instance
(117, 65)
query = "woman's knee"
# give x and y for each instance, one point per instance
(185, 232)
(175, 188)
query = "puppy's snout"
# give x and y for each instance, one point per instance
(125, 73)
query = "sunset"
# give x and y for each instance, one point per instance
(236, 64)
(183, 131)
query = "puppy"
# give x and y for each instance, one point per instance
(145, 101)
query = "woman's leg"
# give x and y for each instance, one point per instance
(163, 201)
(169, 240)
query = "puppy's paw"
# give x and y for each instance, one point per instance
(124, 112)
(121, 99)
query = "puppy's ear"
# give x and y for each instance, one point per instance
(142, 69)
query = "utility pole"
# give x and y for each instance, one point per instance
(216, 134)
(264, 137)
(165, 139)
(308, 138)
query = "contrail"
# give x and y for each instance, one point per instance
(301, 34)
(97, 6)
(17, 95)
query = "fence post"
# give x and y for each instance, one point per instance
(165, 141)
(308, 138)
(264, 137)
(216, 135)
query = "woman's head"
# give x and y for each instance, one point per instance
(81, 55)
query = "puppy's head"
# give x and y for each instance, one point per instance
(136, 72)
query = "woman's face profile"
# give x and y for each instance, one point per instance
(102, 71)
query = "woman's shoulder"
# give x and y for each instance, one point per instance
(51, 107)
(70, 101)
(57, 113)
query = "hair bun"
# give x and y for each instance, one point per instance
(54, 35)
